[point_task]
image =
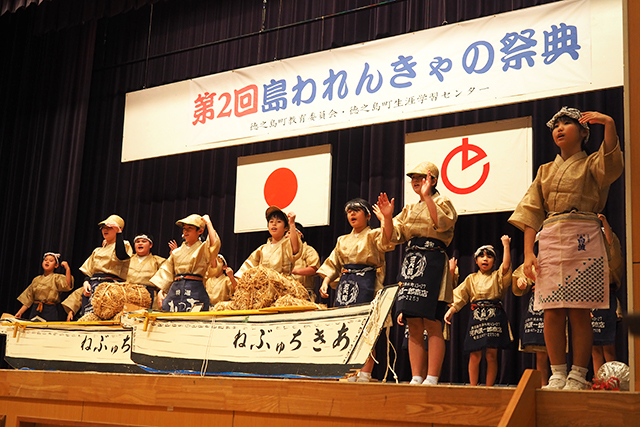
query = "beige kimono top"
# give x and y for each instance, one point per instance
(74, 301)
(142, 269)
(367, 247)
(415, 221)
(218, 284)
(45, 288)
(579, 183)
(194, 259)
(277, 256)
(308, 258)
(479, 286)
(104, 260)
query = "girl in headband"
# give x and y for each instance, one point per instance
(144, 265)
(43, 294)
(358, 262)
(571, 270)
(488, 324)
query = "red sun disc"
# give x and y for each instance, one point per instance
(280, 188)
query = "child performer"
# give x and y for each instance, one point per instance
(144, 265)
(73, 303)
(532, 327)
(455, 275)
(108, 263)
(426, 285)
(571, 271)
(43, 294)
(488, 327)
(604, 321)
(279, 253)
(307, 265)
(180, 278)
(358, 261)
(220, 282)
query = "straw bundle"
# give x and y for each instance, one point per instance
(291, 301)
(89, 317)
(224, 306)
(109, 298)
(260, 287)
(138, 295)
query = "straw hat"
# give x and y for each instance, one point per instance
(272, 209)
(193, 219)
(423, 168)
(112, 218)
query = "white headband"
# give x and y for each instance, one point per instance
(142, 236)
(352, 205)
(488, 248)
(53, 254)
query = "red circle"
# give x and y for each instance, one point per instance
(280, 188)
(466, 162)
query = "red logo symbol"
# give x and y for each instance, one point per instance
(280, 188)
(467, 162)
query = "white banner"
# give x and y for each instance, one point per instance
(483, 168)
(294, 180)
(562, 47)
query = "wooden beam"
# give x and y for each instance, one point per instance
(632, 171)
(587, 408)
(521, 411)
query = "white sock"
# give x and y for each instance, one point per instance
(431, 380)
(416, 380)
(559, 370)
(366, 375)
(579, 373)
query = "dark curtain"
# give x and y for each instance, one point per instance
(44, 95)
(64, 92)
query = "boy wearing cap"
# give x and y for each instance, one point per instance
(180, 278)
(571, 270)
(425, 277)
(108, 263)
(144, 265)
(488, 326)
(279, 253)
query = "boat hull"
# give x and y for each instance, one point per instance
(68, 347)
(317, 344)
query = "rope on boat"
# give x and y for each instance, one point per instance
(205, 360)
(395, 358)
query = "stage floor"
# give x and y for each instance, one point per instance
(44, 398)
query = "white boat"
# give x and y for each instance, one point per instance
(68, 346)
(282, 342)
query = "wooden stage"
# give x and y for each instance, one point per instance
(38, 398)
